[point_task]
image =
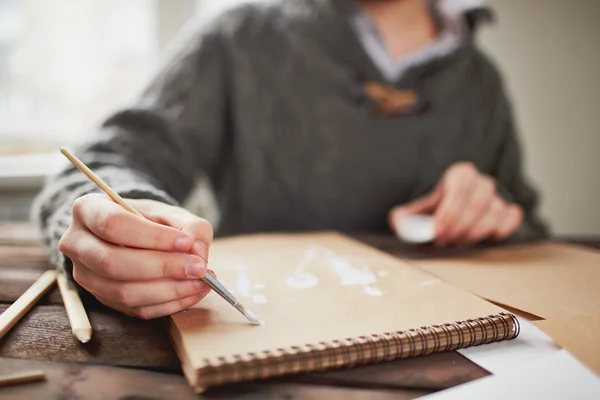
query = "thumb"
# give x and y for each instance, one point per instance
(422, 205)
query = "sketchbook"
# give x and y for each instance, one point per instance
(327, 301)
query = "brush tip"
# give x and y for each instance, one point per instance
(249, 315)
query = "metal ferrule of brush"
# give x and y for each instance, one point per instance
(220, 289)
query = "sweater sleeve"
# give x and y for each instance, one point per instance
(507, 165)
(155, 148)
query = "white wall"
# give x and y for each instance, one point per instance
(208, 9)
(549, 52)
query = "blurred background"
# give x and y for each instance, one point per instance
(67, 64)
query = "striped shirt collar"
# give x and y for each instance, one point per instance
(451, 27)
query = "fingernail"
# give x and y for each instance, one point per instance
(183, 243)
(195, 269)
(201, 250)
(199, 284)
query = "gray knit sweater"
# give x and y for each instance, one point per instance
(267, 102)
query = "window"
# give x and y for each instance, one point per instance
(66, 64)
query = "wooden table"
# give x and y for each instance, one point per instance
(134, 359)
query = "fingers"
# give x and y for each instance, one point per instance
(167, 308)
(457, 187)
(192, 225)
(498, 223)
(470, 209)
(156, 311)
(422, 205)
(510, 223)
(114, 224)
(124, 263)
(476, 204)
(131, 294)
(140, 266)
(487, 224)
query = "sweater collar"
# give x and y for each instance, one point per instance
(335, 33)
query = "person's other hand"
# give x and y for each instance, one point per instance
(466, 208)
(134, 265)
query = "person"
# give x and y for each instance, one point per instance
(303, 115)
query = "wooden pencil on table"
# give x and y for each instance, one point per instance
(80, 324)
(19, 308)
(22, 377)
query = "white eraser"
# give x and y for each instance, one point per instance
(417, 229)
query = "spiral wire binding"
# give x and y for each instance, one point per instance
(362, 350)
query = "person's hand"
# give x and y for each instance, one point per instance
(466, 208)
(134, 265)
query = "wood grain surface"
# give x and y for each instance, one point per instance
(44, 334)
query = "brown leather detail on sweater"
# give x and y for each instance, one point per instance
(389, 100)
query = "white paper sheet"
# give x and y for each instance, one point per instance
(497, 358)
(554, 376)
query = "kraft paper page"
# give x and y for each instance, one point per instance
(545, 279)
(579, 335)
(311, 288)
